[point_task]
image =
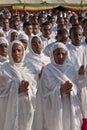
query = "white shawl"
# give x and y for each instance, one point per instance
(12, 74)
(34, 61)
(50, 101)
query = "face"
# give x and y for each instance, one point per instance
(74, 20)
(17, 53)
(35, 29)
(13, 36)
(36, 45)
(62, 38)
(5, 23)
(46, 30)
(76, 36)
(59, 55)
(52, 21)
(16, 26)
(25, 43)
(41, 21)
(3, 50)
(28, 30)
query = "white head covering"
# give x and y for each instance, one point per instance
(10, 51)
(30, 45)
(3, 40)
(22, 36)
(9, 35)
(54, 47)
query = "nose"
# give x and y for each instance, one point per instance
(60, 56)
(16, 52)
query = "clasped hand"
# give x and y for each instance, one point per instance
(23, 88)
(66, 87)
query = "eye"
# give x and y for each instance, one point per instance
(19, 50)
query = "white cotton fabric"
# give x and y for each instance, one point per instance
(83, 87)
(3, 40)
(3, 58)
(10, 33)
(55, 111)
(34, 61)
(22, 36)
(77, 55)
(16, 110)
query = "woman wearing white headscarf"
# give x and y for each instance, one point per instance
(35, 60)
(3, 50)
(58, 106)
(12, 35)
(24, 39)
(17, 91)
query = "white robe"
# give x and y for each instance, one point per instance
(16, 110)
(55, 111)
(77, 55)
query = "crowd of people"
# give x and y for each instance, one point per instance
(43, 70)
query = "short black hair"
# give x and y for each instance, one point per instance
(62, 32)
(73, 28)
(26, 24)
(46, 23)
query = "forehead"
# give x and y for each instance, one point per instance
(3, 44)
(35, 39)
(16, 46)
(76, 31)
(59, 50)
(46, 26)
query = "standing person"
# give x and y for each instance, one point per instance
(61, 36)
(6, 27)
(58, 106)
(12, 35)
(28, 29)
(76, 51)
(83, 86)
(17, 91)
(3, 50)
(46, 36)
(35, 58)
(25, 40)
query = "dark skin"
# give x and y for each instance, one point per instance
(66, 87)
(81, 70)
(23, 88)
(46, 31)
(3, 50)
(17, 55)
(76, 36)
(59, 57)
(36, 45)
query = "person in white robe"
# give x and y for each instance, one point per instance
(25, 40)
(58, 105)
(83, 86)
(35, 60)
(3, 50)
(76, 51)
(17, 91)
(12, 35)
